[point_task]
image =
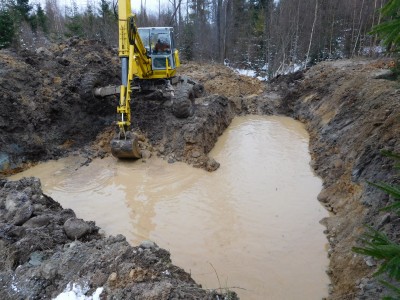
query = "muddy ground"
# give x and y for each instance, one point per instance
(350, 109)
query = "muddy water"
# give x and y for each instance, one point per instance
(252, 225)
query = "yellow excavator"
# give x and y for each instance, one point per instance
(149, 59)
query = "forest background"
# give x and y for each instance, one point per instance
(271, 37)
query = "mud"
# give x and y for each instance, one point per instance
(351, 112)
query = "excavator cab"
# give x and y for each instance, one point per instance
(160, 46)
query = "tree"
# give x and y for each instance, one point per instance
(389, 30)
(74, 24)
(42, 20)
(6, 29)
(23, 8)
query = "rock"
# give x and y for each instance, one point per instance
(212, 165)
(112, 277)
(36, 259)
(385, 219)
(141, 137)
(23, 214)
(369, 261)
(99, 278)
(4, 161)
(148, 245)
(38, 221)
(16, 231)
(49, 269)
(382, 74)
(146, 154)
(14, 200)
(43, 50)
(323, 196)
(196, 154)
(76, 228)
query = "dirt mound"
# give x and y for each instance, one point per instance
(221, 80)
(44, 110)
(45, 250)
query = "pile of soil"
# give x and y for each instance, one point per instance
(46, 109)
(221, 80)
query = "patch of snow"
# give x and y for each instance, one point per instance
(97, 293)
(289, 69)
(375, 50)
(262, 78)
(77, 292)
(13, 285)
(250, 73)
(265, 68)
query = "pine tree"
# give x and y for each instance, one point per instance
(389, 30)
(42, 20)
(23, 8)
(6, 29)
(75, 22)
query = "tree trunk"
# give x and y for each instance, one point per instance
(312, 32)
(359, 29)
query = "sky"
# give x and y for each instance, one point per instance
(152, 5)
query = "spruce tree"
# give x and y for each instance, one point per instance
(389, 30)
(6, 29)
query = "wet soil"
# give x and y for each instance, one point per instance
(350, 110)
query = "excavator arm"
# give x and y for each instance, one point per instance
(134, 63)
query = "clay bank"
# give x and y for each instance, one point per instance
(349, 110)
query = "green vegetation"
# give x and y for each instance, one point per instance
(378, 245)
(6, 29)
(389, 30)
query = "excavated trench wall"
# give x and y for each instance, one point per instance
(351, 113)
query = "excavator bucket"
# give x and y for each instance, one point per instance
(126, 148)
